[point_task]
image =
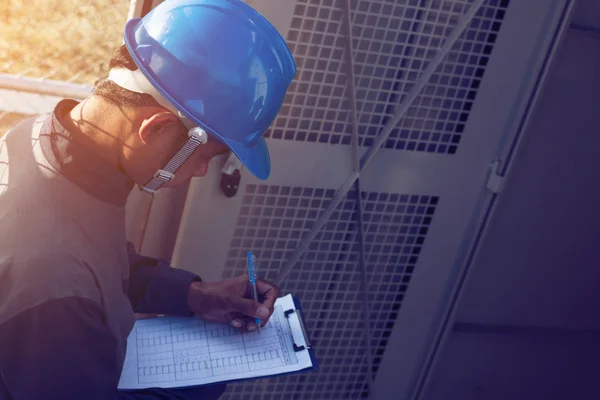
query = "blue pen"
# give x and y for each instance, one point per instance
(252, 274)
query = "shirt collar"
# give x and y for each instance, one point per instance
(71, 153)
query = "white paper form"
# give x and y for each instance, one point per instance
(186, 351)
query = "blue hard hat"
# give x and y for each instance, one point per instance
(220, 63)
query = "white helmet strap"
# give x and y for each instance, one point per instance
(135, 81)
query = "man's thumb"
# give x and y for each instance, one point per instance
(250, 307)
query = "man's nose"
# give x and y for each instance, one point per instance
(201, 168)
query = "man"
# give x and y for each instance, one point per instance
(195, 79)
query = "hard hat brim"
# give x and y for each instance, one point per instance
(256, 158)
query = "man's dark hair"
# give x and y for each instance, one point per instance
(115, 94)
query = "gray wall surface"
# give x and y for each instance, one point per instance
(528, 325)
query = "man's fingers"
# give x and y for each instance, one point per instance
(236, 323)
(244, 324)
(268, 291)
(249, 307)
(269, 294)
(251, 326)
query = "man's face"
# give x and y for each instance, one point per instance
(197, 164)
(162, 134)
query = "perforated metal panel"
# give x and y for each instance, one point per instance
(393, 42)
(424, 192)
(272, 221)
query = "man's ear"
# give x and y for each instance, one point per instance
(158, 126)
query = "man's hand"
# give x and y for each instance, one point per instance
(230, 301)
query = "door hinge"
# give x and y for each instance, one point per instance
(495, 181)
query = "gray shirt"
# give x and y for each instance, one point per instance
(69, 281)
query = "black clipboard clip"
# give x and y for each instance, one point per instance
(304, 333)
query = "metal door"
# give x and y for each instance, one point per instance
(438, 91)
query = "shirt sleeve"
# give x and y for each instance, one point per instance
(60, 350)
(156, 287)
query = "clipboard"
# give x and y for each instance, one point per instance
(300, 346)
(293, 343)
(306, 345)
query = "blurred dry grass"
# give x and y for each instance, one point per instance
(68, 40)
